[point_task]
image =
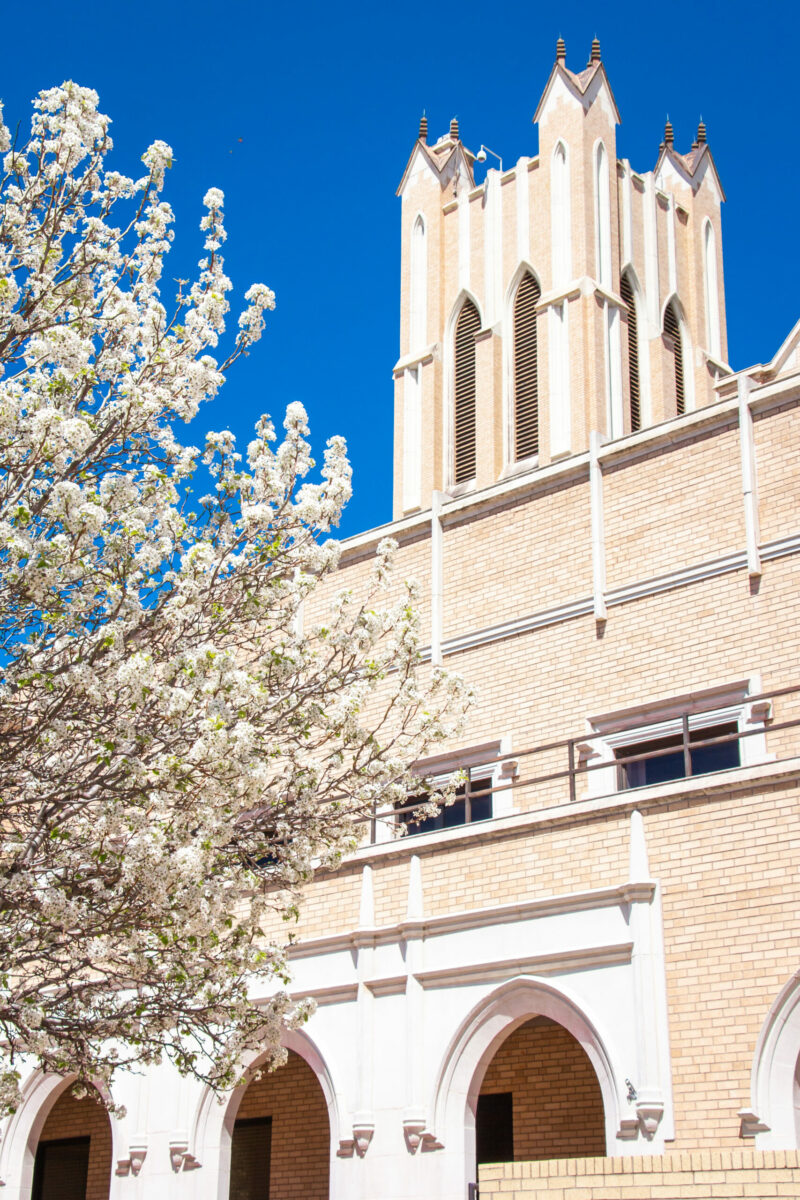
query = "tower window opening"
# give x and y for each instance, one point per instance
(464, 441)
(526, 367)
(626, 291)
(673, 332)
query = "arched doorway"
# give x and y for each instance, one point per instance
(74, 1150)
(280, 1146)
(539, 1098)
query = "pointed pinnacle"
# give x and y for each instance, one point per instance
(423, 127)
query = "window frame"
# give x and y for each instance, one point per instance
(612, 732)
(490, 762)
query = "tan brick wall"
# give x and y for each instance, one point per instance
(299, 1161)
(735, 1175)
(557, 1105)
(73, 1118)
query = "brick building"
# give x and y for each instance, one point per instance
(585, 974)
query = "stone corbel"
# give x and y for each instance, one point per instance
(650, 1110)
(363, 1130)
(750, 1123)
(509, 769)
(179, 1156)
(132, 1165)
(418, 1135)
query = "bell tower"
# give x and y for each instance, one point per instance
(564, 296)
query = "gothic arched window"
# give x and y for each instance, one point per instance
(526, 378)
(626, 291)
(672, 331)
(467, 326)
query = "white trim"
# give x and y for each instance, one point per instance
(559, 363)
(463, 241)
(412, 438)
(749, 482)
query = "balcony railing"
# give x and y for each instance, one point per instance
(562, 781)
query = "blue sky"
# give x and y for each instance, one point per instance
(305, 115)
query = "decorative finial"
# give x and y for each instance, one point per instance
(561, 50)
(595, 55)
(454, 129)
(701, 132)
(423, 127)
(669, 136)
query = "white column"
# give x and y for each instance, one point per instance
(749, 482)
(437, 582)
(412, 438)
(598, 528)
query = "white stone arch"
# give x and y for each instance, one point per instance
(711, 290)
(418, 284)
(561, 215)
(524, 268)
(773, 1078)
(643, 343)
(450, 376)
(460, 1075)
(686, 347)
(40, 1091)
(211, 1130)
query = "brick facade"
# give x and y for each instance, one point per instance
(557, 1106)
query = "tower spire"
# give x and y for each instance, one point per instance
(701, 132)
(561, 51)
(454, 129)
(669, 135)
(595, 55)
(423, 127)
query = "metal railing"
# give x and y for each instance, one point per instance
(689, 744)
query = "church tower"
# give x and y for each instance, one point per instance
(567, 296)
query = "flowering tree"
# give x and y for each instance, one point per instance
(176, 753)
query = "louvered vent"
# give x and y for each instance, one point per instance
(626, 291)
(526, 381)
(467, 326)
(672, 330)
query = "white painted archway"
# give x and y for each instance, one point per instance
(40, 1091)
(774, 1087)
(212, 1129)
(473, 1047)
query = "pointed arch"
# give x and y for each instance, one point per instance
(211, 1132)
(676, 337)
(40, 1093)
(602, 215)
(463, 458)
(775, 1074)
(560, 214)
(525, 366)
(711, 287)
(418, 280)
(461, 1072)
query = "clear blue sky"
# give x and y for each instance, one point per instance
(305, 115)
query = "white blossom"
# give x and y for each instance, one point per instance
(176, 754)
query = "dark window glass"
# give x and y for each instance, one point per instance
(480, 809)
(250, 1151)
(61, 1169)
(667, 766)
(494, 1128)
